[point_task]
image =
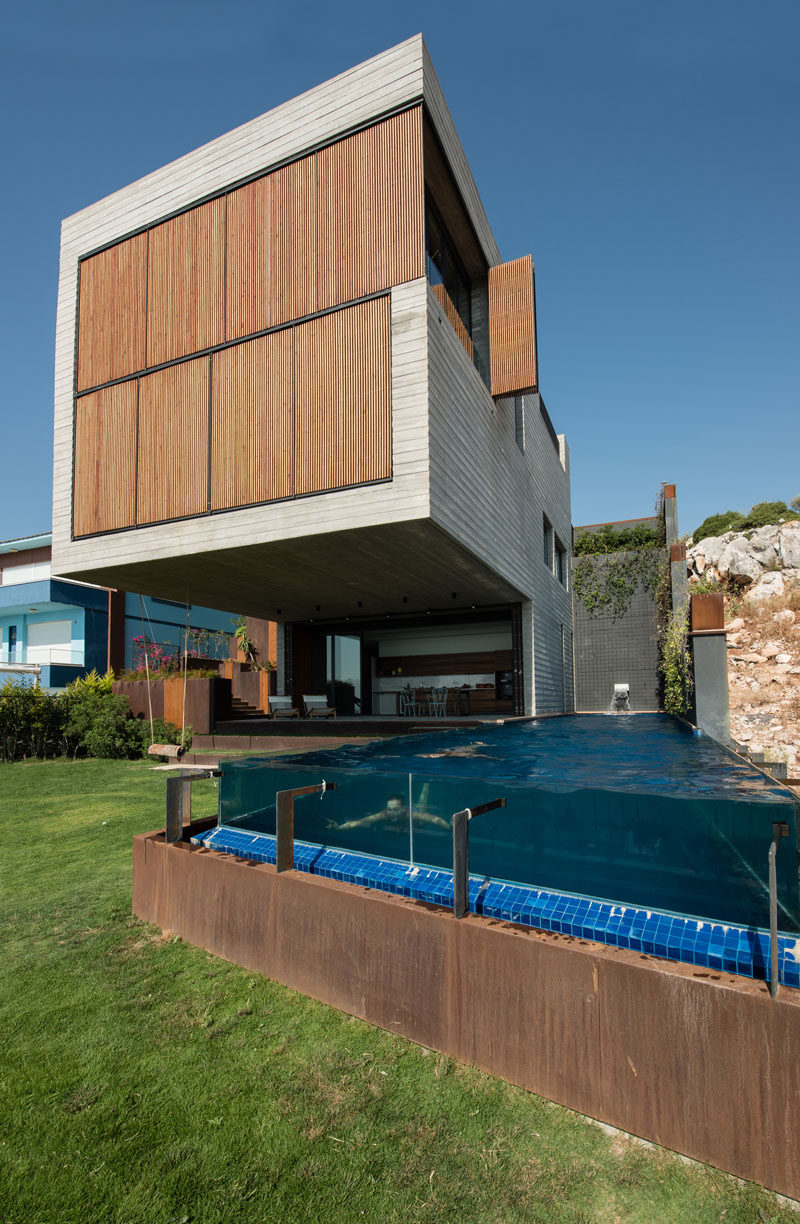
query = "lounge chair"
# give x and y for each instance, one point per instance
(282, 706)
(316, 705)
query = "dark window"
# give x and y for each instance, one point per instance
(519, 422)
(547, 533)
(444, 266)
(561, 562)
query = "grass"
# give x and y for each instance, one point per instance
(142, 1079)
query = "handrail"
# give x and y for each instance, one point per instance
(461, 853)
(179, 801)
(779, 829)
(284, 821)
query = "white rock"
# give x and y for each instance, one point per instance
(786, 614)
(768, 586)
(737, 623)
(737, 561)
(783, 657)
(710, 549)
(770, 650)
(789, 545)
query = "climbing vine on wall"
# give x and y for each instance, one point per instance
(674, 664)
(612, 565)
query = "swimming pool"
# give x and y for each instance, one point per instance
(627, 825)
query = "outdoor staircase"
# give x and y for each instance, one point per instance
(243, 710)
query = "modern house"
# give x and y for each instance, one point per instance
(66, 628)
(295, 379)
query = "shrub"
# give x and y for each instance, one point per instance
(718, 524)
(163, 733)
(765, 513)
(111, 729)
(31, 722)
(92, 682)
(607, 540)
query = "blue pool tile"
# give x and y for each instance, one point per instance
(728, 948)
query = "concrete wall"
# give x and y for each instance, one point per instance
(491, 496)
(704, 1063)
(393, 79)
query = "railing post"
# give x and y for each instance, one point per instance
(779, 830)
(461, 862)
(284, 821)
(461, 853)
(179, 801)
(179, 806)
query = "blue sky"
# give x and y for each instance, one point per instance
(645, 154)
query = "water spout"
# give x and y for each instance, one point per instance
(621, 701)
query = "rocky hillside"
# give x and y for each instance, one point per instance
(759, 571)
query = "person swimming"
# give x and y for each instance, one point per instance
(395, 814)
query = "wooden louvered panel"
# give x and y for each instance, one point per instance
(271, 256)
(186, 283)
(173, 442)
(111, 321)
(453, 316)
(105, 460)
(251, 422)
(342, 398)
(512, 327)
(370, 205)
(293, 226)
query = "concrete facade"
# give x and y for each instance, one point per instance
(459, 524)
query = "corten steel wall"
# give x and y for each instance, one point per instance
(207, 700)
(612, 651)
(703, 1063)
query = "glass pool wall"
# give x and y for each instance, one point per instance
(703, 857)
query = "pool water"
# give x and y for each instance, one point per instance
(631, 809)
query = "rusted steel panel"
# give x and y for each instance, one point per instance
(704, 1063)
(136, 692)
(696, 1063)
(707, 612)
(677, 552)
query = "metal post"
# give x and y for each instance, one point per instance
(461, 853)
(779, 830)
(179, 801)
(284, 821)
(179, 806)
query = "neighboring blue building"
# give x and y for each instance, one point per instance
(67, 628)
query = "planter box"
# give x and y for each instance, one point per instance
(207, 700)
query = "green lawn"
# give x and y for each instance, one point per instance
(144, 1080)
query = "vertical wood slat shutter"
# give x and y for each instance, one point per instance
(512, 327)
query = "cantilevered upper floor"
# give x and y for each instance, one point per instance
(292, 372)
